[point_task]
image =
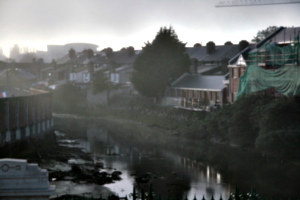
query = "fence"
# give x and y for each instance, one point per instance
(24, 116)
(150, 195)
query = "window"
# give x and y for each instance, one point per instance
(235, 73)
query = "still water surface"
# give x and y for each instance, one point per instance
(172, 173)
(168, 173)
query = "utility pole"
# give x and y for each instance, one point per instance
(234, 3)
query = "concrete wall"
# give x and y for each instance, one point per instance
(25, 116)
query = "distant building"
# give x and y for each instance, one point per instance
(58, 51)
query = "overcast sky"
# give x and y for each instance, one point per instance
(123, 23)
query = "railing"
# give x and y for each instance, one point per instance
(150, 195)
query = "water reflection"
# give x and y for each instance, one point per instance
(169, 173)
(168, 165)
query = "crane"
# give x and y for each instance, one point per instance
(234, 3)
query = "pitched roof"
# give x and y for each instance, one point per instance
(63, 60)
(122, 57)
(199, 82)
(16, 74)
(221, 52)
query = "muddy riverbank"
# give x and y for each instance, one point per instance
(73, 171)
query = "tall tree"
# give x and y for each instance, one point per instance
(161, 62)
(262, 34)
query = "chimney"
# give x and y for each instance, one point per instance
(210, 47)
(243, 44)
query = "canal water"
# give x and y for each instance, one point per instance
(169, 172)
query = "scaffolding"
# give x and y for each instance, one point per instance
(235, 3)
(272, 65)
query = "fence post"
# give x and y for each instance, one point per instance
(253, 194)
(237, 194)
(150, 193)
(133, 193)
(143, 194)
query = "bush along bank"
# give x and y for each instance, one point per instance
(269, 125)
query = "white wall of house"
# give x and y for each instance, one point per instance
(115, 77)
(80, 77)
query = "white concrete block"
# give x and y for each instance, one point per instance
(20, 180)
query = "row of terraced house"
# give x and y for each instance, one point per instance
(213, 80)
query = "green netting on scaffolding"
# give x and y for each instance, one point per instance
(283, 72)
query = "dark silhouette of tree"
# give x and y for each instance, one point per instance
(210, 47)
(228, 43)
(197, 45)
(108, 51)
(243, 44)
(72, 53)
(161, 62)
(262, 34)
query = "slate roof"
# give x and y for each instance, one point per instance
(33, 68)
(16, 74)
(221, 52)
(199, 82)
(63, 60)
(124, 67)
(122, 57)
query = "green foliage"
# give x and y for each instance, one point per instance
(100, 85)
(262, 34)
(244, 120)
(280, 114)
(281, 144)
(268, 124)
(160, 63)
(67, 96)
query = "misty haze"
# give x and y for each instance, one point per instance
(149, 100)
